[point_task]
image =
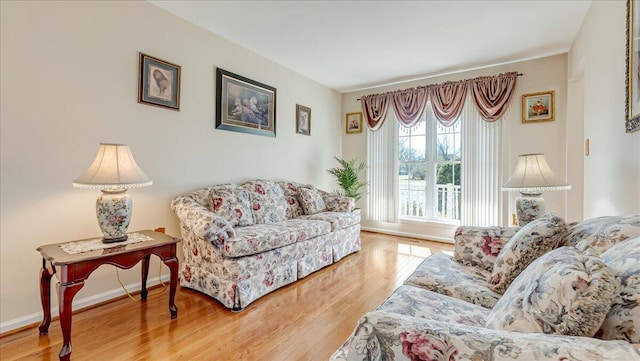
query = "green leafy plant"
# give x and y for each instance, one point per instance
(347, 177)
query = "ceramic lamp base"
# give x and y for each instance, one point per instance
(113, 209)
(529, 206)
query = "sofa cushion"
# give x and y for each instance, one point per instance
(338, 220)
(530, 242)
(616, 230)
(263, 237)
(603, 232)
(338, 203)
(267, 201)
(311, 200)
(480, 246)
(623, 320)
(565, 292)
(291, 191)
(231, 202)
(418, 302)
(440, 273)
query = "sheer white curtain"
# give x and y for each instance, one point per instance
(481, 169)
(382, 174)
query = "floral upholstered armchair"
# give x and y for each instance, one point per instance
(546, 291)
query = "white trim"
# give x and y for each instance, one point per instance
(407, 234)
(36, 318)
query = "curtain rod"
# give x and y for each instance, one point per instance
(519, 74)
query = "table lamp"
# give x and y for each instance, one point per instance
(531, 177)
(113, 171)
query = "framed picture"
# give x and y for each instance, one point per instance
(632, 103)
(353, 123)
(538, 107)
(244, 105)
(303, 120)
(159, 83)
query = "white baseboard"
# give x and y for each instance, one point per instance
(406, 234)
(77, 305)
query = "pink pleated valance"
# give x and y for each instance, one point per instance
(491, 97)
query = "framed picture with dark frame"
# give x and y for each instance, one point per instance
(353, 123)
(159, 83)
(632, 89)
(538, 107)
(244, 105)
(303, 120)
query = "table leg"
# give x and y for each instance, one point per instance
(66, 294)
(145, 275)
(172, 263)
(45, 297)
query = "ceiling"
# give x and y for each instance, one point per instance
(352, 45)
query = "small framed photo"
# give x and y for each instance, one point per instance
(159, 83)
(303, 120)
(353, 123)
(538, 107)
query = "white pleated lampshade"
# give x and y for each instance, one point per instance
(534, 174)
(113, 168)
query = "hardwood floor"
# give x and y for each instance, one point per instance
(307, 320)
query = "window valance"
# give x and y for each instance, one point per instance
(491, 97)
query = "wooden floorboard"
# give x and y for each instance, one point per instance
(307, 320)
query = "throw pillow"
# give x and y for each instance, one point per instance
(564, 292)
(232, 203)
(311, 200)
(267, 200)
(623, 320)
(530, 242)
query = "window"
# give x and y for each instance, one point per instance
(429, 162)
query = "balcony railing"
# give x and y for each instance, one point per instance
(448, 206)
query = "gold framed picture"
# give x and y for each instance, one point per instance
(538, 107)
(632, 105)
(353, 123)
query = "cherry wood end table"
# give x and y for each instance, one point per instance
(74, 269)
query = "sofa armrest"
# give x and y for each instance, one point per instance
(479, 246)
(392, 336)
(338, 202)
(202, 222)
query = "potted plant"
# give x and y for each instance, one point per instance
(347, 177)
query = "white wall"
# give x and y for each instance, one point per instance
(545, 137)
(612, 170)
(69, 75)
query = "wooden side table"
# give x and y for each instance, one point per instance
(76, 268)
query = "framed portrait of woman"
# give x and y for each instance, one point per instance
(159, 83)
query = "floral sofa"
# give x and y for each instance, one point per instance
(241, 242)
(546, 291)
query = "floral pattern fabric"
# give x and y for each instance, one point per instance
(603, 232)
(232, 203)
(337, 220)
(480, 246)
(238, 264)
(201, 221)
(264, 237)
(391, 336)
(610, 234)
(268, 202)
(338, 203)
(565, 292)
(623, 319)
(311, 201)
(411, 301)
(530, 242)
(346, 241)
(440, 273)
(291, 191)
